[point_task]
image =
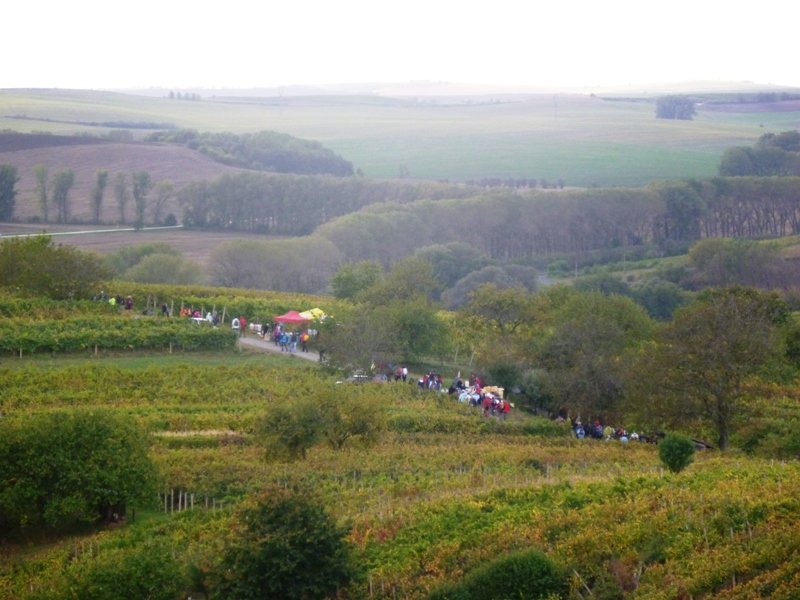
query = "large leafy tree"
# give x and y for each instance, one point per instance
(97, 194)
(684, 209)
(353, 278)
(408, 279)
(722, 262)
(284, 545)
(675, 107)
(506, 309)
(696, 372)
(403, 330)
(336, 415)
(61, 468)
(413, 327)
(36, 266)
(164, 192)
(8, 191)
(510, 276)
(452, 261)
(582, 358)
(42, 194)
(61, 184)
(142, 184)
(121, 194)
(165, 268)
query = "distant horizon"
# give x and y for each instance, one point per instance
(573, 44)
(421, 88)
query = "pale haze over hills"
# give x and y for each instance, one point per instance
(572, 44)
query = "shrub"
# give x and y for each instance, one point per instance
(676, 452)
(527, 574)
(286, 546)
(63, 468)
(149, 571)
(338, 416)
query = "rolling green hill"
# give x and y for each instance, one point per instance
(583, 140)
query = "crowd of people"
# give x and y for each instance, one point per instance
(287, 340)
(115, 300)
(598, 431)
(489, 398)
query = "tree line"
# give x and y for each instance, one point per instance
(293, 204)
(569, 227)
(53, 195)
(510, 225)
(574, 222)
(774, 154)
(262, 151)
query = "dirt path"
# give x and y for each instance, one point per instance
(259, 344)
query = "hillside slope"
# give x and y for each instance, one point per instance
(85, 156)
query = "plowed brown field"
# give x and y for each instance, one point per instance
(85, 157)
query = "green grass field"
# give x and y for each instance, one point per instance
(583, 140)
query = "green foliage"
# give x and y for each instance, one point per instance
(109, 333)
(39, 308)
(676, 452)
(785, 140)
(524, 575)
(149, 570)
(351, 415)
(129, 256)
(286, 546)
(413, 327)
(604, 283)
(42, 190)
(675, 107)
(290, 430)
(165, 268)
(302, 265)
(263, 151)
(61, 468)
(353, 278)
(409, 279)
(142, 184)
(60, 185)
(721, 262)
(121, 194)
(8, 191)
(452, 261)
(297, 205)
(397, 331)
(772, 155)
(256, 304)
(698, 370)
(98, 193)
(506, 308)
(37, 267)
(336, 415)
(499, 278)
(583, 354)
(659, 298)
(504, 374)
(684, 207)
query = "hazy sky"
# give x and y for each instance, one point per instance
(176, 44)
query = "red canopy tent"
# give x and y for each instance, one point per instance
(292, 317)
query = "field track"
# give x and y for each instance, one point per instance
(193, 245)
